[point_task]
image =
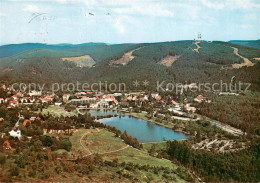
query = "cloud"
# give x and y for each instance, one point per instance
(2, 14)
(149, 10)
(31, 8)
(119, 26)
(133, 7)
(229, 4)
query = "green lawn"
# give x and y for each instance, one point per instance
(157, 145)
(101, 141)
(57, 111)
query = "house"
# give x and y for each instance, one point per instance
(65, 97)
(2, 100)
(154, 95)
(115, 102)
(58, 103)
(158, 98)
(84, 100)
(174, 110)
(46, 99)
(89, 92)
(35, 93)
(13, 103)
(25, 99)
(199, 98)
(32, 100)
(15, 133)
(118, 94)
(176, 104)
(27, 122)
(6, 145)
(80, 93)
(189, 108)
(33, 117)
(19, 94)
(2, 119)
(129, 98)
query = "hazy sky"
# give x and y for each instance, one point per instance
(121, 21)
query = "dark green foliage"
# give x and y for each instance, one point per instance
(45, 66)
(239, 111)
(245, 51)
(249, 43)
(242, 166)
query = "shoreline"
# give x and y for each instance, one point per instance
(157, 123)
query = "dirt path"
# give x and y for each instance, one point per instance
(247, 62)
(108, 152)
(198, 46)
(80, 141)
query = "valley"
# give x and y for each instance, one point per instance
(140, 133)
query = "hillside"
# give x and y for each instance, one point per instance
(249, 43)
(12, 49)
(211, 63)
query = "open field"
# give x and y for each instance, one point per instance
(127, 57)
(104, 141)
(57, 111)
(169, 60)
(158, 145)
(81, 61)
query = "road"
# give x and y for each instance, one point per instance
(224, 127)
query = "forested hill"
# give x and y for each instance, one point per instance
(178, 61)
(12, 49)
(250, 43)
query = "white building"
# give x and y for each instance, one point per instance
(35, 93)
(15, 133)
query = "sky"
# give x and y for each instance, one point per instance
(127, 21)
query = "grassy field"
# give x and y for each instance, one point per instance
(157, 145)
(57, 111)
(103, 141)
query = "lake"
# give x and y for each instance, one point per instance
(142, 130)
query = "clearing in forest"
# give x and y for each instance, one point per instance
(81, 61)
(127, 57)
(169, 60)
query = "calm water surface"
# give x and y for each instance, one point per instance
(142, 130)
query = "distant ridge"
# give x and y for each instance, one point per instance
(13, 49)
(249, 43)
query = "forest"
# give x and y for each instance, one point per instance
(45, 65)
(242, 166)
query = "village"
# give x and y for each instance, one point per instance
(161, 110)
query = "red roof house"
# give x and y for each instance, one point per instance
(26, 122)
(7, 145)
